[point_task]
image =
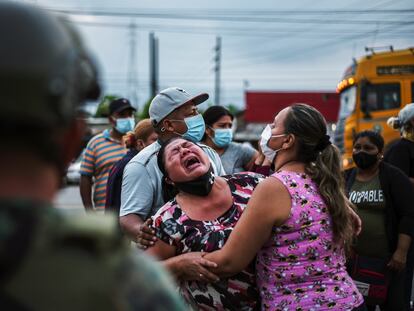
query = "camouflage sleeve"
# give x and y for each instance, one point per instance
(147, 286)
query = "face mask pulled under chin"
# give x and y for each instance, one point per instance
(268, 152)
(200, 187)
(364, 160)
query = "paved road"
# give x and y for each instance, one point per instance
(69, 199)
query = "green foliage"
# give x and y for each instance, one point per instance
(144, 113)
(103, 107)
(233, 109)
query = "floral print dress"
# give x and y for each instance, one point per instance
(300, 268)
(174, 227)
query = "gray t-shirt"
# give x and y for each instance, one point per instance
(236, 157)
(141, 192)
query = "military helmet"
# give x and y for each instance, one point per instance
(45, 71)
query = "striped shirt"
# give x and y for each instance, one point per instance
(101, 153)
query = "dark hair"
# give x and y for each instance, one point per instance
(214, 113)
(168, 190)
(373, 136)
(323, 164)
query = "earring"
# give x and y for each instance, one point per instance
(169, 181)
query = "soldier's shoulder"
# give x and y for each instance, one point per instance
(157, 290)
(95, 233)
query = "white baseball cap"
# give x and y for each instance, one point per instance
(406, 114)
(170, 99)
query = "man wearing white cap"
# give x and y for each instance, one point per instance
(173, 112)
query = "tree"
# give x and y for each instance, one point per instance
(233, 109)
(144, 113)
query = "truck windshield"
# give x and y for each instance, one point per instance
(382, 96)
(348, 100)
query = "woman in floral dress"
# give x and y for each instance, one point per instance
(298, 221)
(200, 219)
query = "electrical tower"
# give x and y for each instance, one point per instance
(217, 69)
(132, 82)
(153, 45)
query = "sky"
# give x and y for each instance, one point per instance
(297, 45)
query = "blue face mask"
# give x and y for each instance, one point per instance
(195, 128)
(125, 125)
(222, 137)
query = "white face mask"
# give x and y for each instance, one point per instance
(268, 152)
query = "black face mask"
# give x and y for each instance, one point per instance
(364, 160)
(201, 186)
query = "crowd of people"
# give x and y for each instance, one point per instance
(317, 230)
(193, 220)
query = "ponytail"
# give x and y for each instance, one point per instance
(322, 164)
(326, 172)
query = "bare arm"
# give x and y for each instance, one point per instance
(261, 164)
(269, 206)
(85, 187)
(250, 164)
(399, 258)
(131, 224)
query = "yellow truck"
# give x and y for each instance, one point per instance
(373, 89)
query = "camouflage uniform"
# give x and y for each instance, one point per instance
(55, 261)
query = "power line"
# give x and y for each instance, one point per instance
(235, 12)
(263, 59)
(228, 18)
(232, 31)
(307, 31)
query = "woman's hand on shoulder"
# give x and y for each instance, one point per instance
(146, 236)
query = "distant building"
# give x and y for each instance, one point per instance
(261, 108)
(97, 125)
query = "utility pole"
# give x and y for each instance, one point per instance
(153, 45)
(217, 69)
(132, 82)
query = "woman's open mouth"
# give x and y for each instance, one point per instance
(191, 162)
